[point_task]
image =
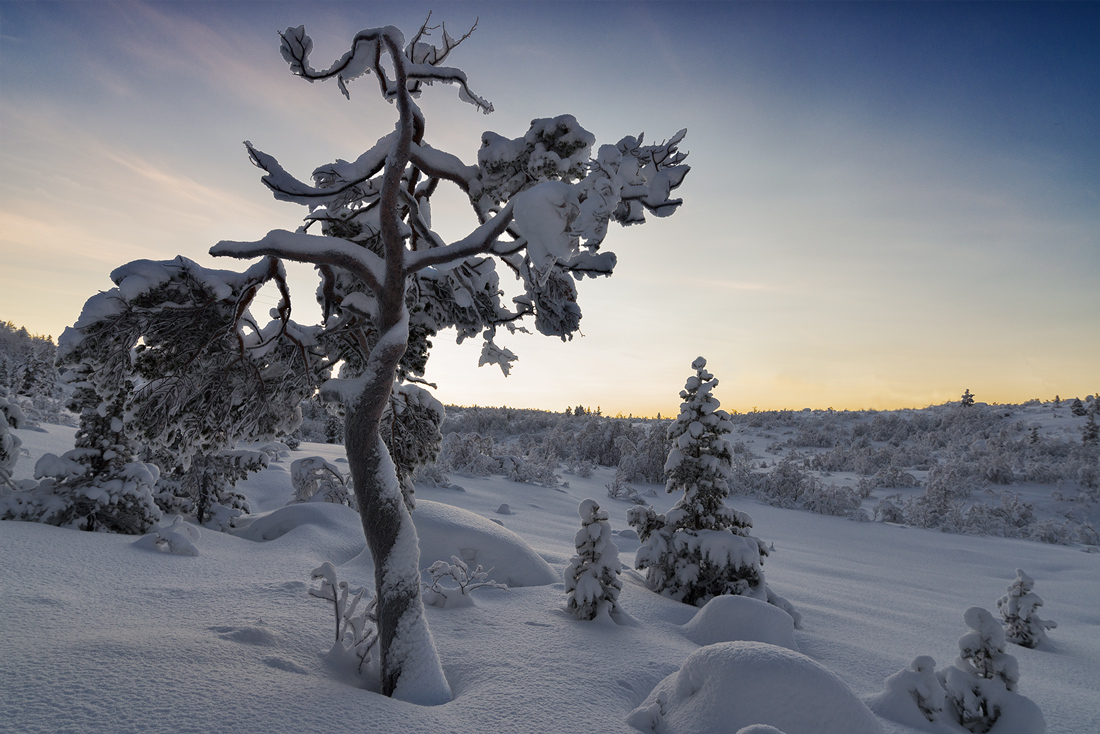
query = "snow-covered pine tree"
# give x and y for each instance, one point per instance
(389, 282)
(592, 582)
(1019, 610)
(701, 548)
(169, 362)
(977, 684)
(967, 399)
(1078, 408)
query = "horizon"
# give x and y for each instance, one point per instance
(888, 204)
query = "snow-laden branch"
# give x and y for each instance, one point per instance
(365, 56)
(336, 177)
(313, 249)
(480, 241)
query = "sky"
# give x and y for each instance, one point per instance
(889, 203)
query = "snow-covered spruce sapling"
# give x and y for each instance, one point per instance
(355, 625)
(978, 683)
(701, 548)
(389, 281)
(1019, 610)
(592, 583)
(967, 399)
(466, 583)
(919, 682)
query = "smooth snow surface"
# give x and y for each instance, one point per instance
(732, 618)
(730, 685)
(103, 633)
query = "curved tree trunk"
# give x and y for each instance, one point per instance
(410, 667)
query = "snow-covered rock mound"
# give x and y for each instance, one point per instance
(447, 531)
(733, 685)
(733, 618)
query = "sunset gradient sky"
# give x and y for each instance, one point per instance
(889, 202)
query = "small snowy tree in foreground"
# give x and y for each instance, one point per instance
(389, 281)
(701, 548)
(592, 582)
(1019, 610)
(977, 685)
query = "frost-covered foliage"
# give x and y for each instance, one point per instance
(27, 363)
(465, 583)
(100, 485)
(11, 416)
(701, 548)
(1019, 610)
(592, 583)
(316, 480)
(977, 684)
(356, 633)
(168, 364)
(204, 487)
(410, 430)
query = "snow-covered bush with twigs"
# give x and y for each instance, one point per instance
(462, 583)
(355, 631)
(316, 480)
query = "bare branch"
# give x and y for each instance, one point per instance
(481, 240)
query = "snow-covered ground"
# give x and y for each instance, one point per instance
(103, 633)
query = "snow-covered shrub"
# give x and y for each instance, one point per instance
(977, 684)
(467, 454)
(700, 548)
(1052, 531)
(1019, 610)
(316, 480)
(355, 625)
(889, 509)
(785, 484)
(830, 499)
(592, 582)
(620, 489)
(465, 583)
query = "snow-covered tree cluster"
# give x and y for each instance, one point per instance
(28, 377)
(701, 548)
(975, 693)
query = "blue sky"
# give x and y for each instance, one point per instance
(889, 202)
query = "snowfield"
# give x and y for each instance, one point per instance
(112, 633)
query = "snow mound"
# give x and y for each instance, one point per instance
(733, 685)
(730, 618)
(447, 531)
(178, 539)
